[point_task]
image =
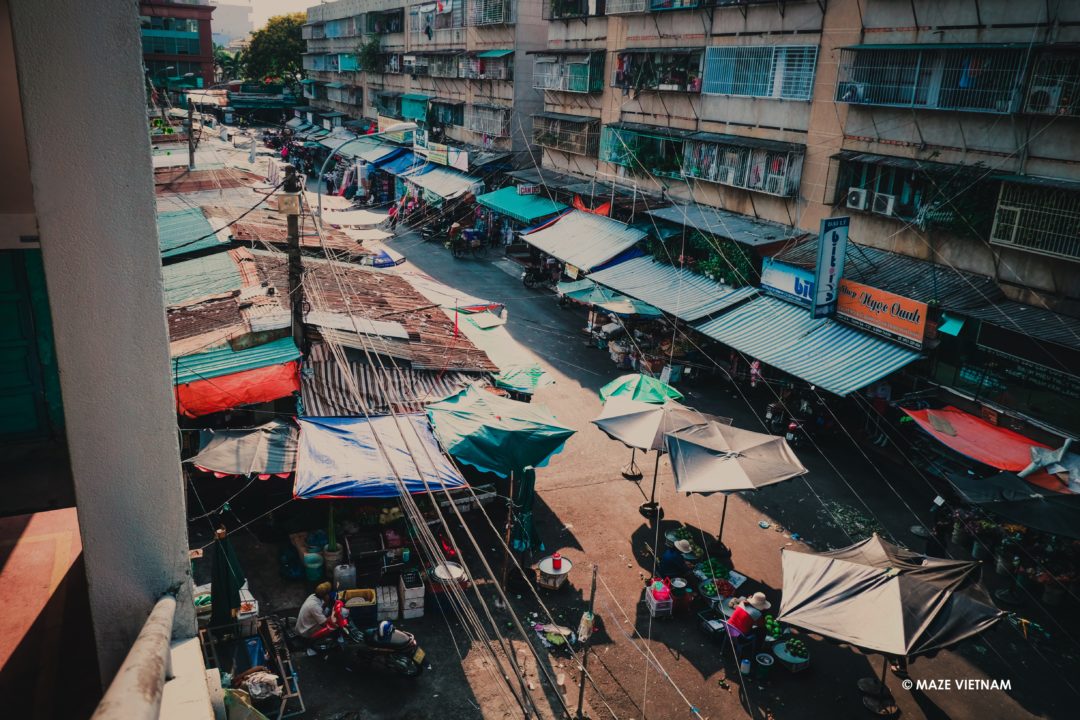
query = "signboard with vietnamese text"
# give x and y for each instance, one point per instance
(884, 313)
(528, 189)
(438, 153)
(788, 282)
(832, 250)
(388, 122)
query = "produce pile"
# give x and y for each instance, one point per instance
(717, 588)
(714, 569)
(797, 648)
(772, 627)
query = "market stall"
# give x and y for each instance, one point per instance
(501, 214)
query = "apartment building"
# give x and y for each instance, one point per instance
(458, 68)
(178, 46)
(949, 132)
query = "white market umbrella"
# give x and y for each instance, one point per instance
(642, 426)
(715, 457)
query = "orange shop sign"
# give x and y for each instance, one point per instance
(885, 313)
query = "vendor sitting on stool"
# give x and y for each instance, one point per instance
(748, 615)
(672, 562)
(313, 613)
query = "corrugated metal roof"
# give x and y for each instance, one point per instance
(944, 46)
(525, 208)
(226, 361)
(192, 279)
(1039, 323)
(679, 292)
(563, 117)
(543, 176)
(444, 182)
(913, 278)
(820, 351)
(185, 231)
(585, 240)
(724, 223)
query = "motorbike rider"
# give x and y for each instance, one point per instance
(314, 613)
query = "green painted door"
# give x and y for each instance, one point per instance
(29, 386)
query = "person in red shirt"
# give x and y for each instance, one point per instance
(749, 614)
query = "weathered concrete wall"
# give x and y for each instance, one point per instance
(95, 203)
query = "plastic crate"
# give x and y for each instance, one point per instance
(658, 608)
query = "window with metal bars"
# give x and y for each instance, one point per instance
(665, 70)
(349, 95)
(1054, 87)
(785, 71)
(625, 7)
(579, 136)
(489, 120)
(447, 113)
(1044, 220)
(642, 153)
(570, 73)
(490, 68)
(392, 62)
(415, 64)
(568, 9)
(315, 62)
(443, 66)
(975, 79)
(387, 21)
(313, 32)
(774, 172)
(387, 104)
(657, 5)
(492, 12)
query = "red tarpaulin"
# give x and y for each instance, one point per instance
(225, 392)
(979, 440)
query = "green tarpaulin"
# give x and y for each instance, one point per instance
(523, 378)
(523, 536)
(589, 293)
(495, 434)
(641, 388)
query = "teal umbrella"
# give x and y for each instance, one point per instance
(523, 533)
(496, 434)
(523, 378)
(589, 293)
(642, 388)
(226, 579)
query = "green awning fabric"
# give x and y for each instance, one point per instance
(494, 53)
(308, 81)
(523, 378)
(226, 361)
(336, 85)
(495, 434)
(524, 208)
(950, 325)
(417, 97)
(589, 293)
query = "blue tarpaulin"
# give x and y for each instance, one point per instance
(338, 458)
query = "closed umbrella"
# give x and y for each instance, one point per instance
(523, 533)
(643, 388)
(881, 598)
(715, 457)
(642, 426)
(226, 579)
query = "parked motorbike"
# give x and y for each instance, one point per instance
(535, 277)
(382, 647)
(796, 436)
(774, 417)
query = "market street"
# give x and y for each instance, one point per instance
(591, 516)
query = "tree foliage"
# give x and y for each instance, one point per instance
(276, 50)
(230, 66)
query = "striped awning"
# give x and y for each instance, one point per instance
(444, 182)
(678, 292)
(820, 351)
(327, 391)
(583, 239)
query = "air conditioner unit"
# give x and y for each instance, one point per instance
(883, 204)
(857, 198)
(1006, 225)
(774, 184)
(1043, 99)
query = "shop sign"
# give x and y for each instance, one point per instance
(572, 271)
(438, 153)
(832, 250)
(884, 313)
(386, 122)
(789, 282)
(528, 189)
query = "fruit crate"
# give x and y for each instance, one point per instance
(658, 608)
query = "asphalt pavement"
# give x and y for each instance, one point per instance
(669, 668)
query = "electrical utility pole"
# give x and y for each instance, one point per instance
(585, 628)
(289, 204)
(191, 134)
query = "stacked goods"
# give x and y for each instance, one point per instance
(797, 648)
